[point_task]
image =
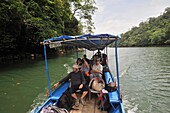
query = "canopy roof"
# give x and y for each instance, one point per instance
(87, 41)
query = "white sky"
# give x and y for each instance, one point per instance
(119, 16)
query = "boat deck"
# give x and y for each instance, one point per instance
(90, 107)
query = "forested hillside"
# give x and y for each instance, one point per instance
(153, 32)
(24, 23)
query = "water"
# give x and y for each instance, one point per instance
(145, 79)
(24, 85)
(144, 75)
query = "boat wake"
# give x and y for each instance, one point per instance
(124, 71)
(129, 107)
(38, 101)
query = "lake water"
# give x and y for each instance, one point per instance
(144, 78)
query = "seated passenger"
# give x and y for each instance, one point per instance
(85, 57)
(86, 68)
(79, 63)
(93, 60)
(97, 69)
(104, 60)
(98, 54)
(77, 82)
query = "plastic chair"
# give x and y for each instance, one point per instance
(92, 90)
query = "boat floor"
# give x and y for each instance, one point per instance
(90, 107)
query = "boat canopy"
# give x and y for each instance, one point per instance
(87, 41)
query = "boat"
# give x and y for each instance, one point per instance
(91, 43)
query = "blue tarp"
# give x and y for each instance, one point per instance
(88, 41)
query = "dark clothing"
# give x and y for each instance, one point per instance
(76, 78)
(104, 60)
(73, 89)
(87, 60)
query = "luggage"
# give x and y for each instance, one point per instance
(53, 109)
(111, 86)
(66, 100)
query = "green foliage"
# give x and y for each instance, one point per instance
(24, 23)
(153, 32)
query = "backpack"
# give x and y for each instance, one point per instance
(53, 109)
(66, 100)
(111, 86)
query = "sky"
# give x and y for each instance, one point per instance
(119, 16)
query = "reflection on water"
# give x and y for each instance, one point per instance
(144, 75)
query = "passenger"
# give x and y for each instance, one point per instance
(104, 62)
(87, 60)
(79, 63)
(94, 60)
(97, 70)
(86, 68)
(77, 83)
(98, 54)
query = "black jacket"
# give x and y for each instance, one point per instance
(76, 78)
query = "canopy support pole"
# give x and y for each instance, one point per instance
(77, 52)
(47, 72)
(106, 51)
(107, 56)
(117, 68)
(85, 51)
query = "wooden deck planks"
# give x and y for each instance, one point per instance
(78, 109)
(90, 107)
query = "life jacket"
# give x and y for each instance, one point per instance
(87, 74)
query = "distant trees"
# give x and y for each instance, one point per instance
(24, 23)
(153, 32)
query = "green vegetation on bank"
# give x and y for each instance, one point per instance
(24, 23)
(153, 32)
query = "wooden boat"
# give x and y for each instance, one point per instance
(90, 42)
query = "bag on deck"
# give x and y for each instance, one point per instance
(65, 101)
(53, 109)
(111, 86)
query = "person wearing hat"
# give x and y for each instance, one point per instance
(97, 69)
(78, 82)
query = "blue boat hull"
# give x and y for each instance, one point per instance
(116, 104)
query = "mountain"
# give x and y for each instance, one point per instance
(153, 32)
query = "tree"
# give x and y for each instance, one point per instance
(153, 32)
(24, 23)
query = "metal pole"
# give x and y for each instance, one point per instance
(85, 51)
(107, 55)
(117, 68)
(77, 52)
(106, 51)
(47, 72)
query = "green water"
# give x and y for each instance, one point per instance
(23, 86)
(145, 79)
(144, 75)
